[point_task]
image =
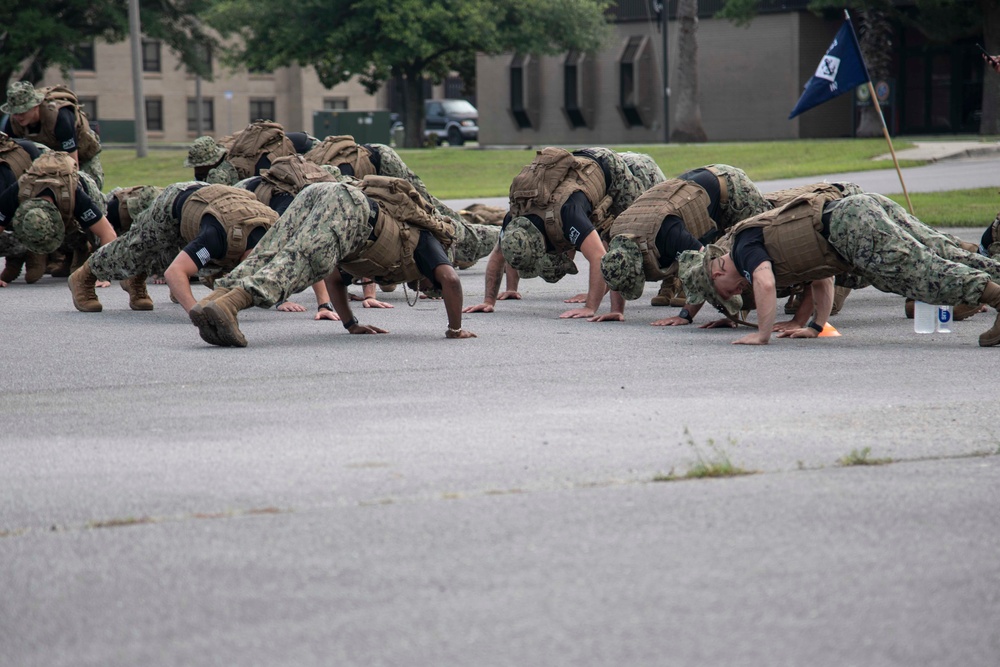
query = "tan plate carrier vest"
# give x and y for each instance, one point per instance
(289, 175)
(258, 139)
(642, 220)
(343, 149)
(542, 187)
(125, 217)
(55, 171)
(793, 238)
(57, 97)
(15, 157)
(779, 198)
(238, 211)
(402, 214)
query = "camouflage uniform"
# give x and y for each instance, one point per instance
(10, 246)
(625, 186)
(644, 168)
(472, 241)
(149, 246)
(894, 261)
(324, 223)
(745, 200)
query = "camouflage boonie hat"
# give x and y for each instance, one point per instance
(693, 271)
(523, 246)
(21, 97)
(552, 268)
(224, 174)
(204, 152)
(850, 188)
(38, 225)
(621, 267)
(141, 199)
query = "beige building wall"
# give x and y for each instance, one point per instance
(749, 81)
(296, 92)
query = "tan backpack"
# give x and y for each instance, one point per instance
(343, 149)
(87, 143)
(534, 186)
(262, 137)
(55, 171)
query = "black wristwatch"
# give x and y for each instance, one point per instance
(325, 306)
(685, 314)
(350, 323)
(818, 328)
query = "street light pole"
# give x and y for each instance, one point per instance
(662, 8)
(135, 34)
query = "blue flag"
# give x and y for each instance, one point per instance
(840, 71)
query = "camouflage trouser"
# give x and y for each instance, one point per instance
(625, 187)
(644, 168)
(744, 199)
(150, 244)
(324, 223)
(885, 254)
(10, 246)
(95, 170)
(473, 242)
(945, 245)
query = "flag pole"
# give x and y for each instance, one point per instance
(885, 129)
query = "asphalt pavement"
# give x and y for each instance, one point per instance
(522, 498)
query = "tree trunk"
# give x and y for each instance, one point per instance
(413, 109)
(687, 127)
(875, 38)
(990, 121)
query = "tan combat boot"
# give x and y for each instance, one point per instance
(138, 297)
(34, 267)
(908, 308)
(58, 264)
(991, 297)
(81, 283)
(969, 247)
(792, 305)
(666, 293)
(680, 298)
(12, 268)
(216, 317)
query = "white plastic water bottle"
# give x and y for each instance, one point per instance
(924, 317)
(943, 324)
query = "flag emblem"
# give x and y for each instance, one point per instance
(828, 68)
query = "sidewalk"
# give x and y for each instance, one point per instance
(935, 151)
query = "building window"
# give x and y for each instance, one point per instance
(207, 115)
(636, 78)
(84, 54)
(89, 107)
(154, 114)
(205, 56)
(524, 91)
(261, 110)
(151, 56)
(334, 103)
(579, 89)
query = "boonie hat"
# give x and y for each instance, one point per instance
(38, 226)
(522, 246)
(621, 267)
(21, 97)
(552, 268)
(204, 152)
(694, 273)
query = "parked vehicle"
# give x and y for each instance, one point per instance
(454, 121)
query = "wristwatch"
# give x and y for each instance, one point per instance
(818, 328)
(325, 306)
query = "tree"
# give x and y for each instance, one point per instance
(687, 111)
(376, 40)
(940, 20)
(44, 33)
